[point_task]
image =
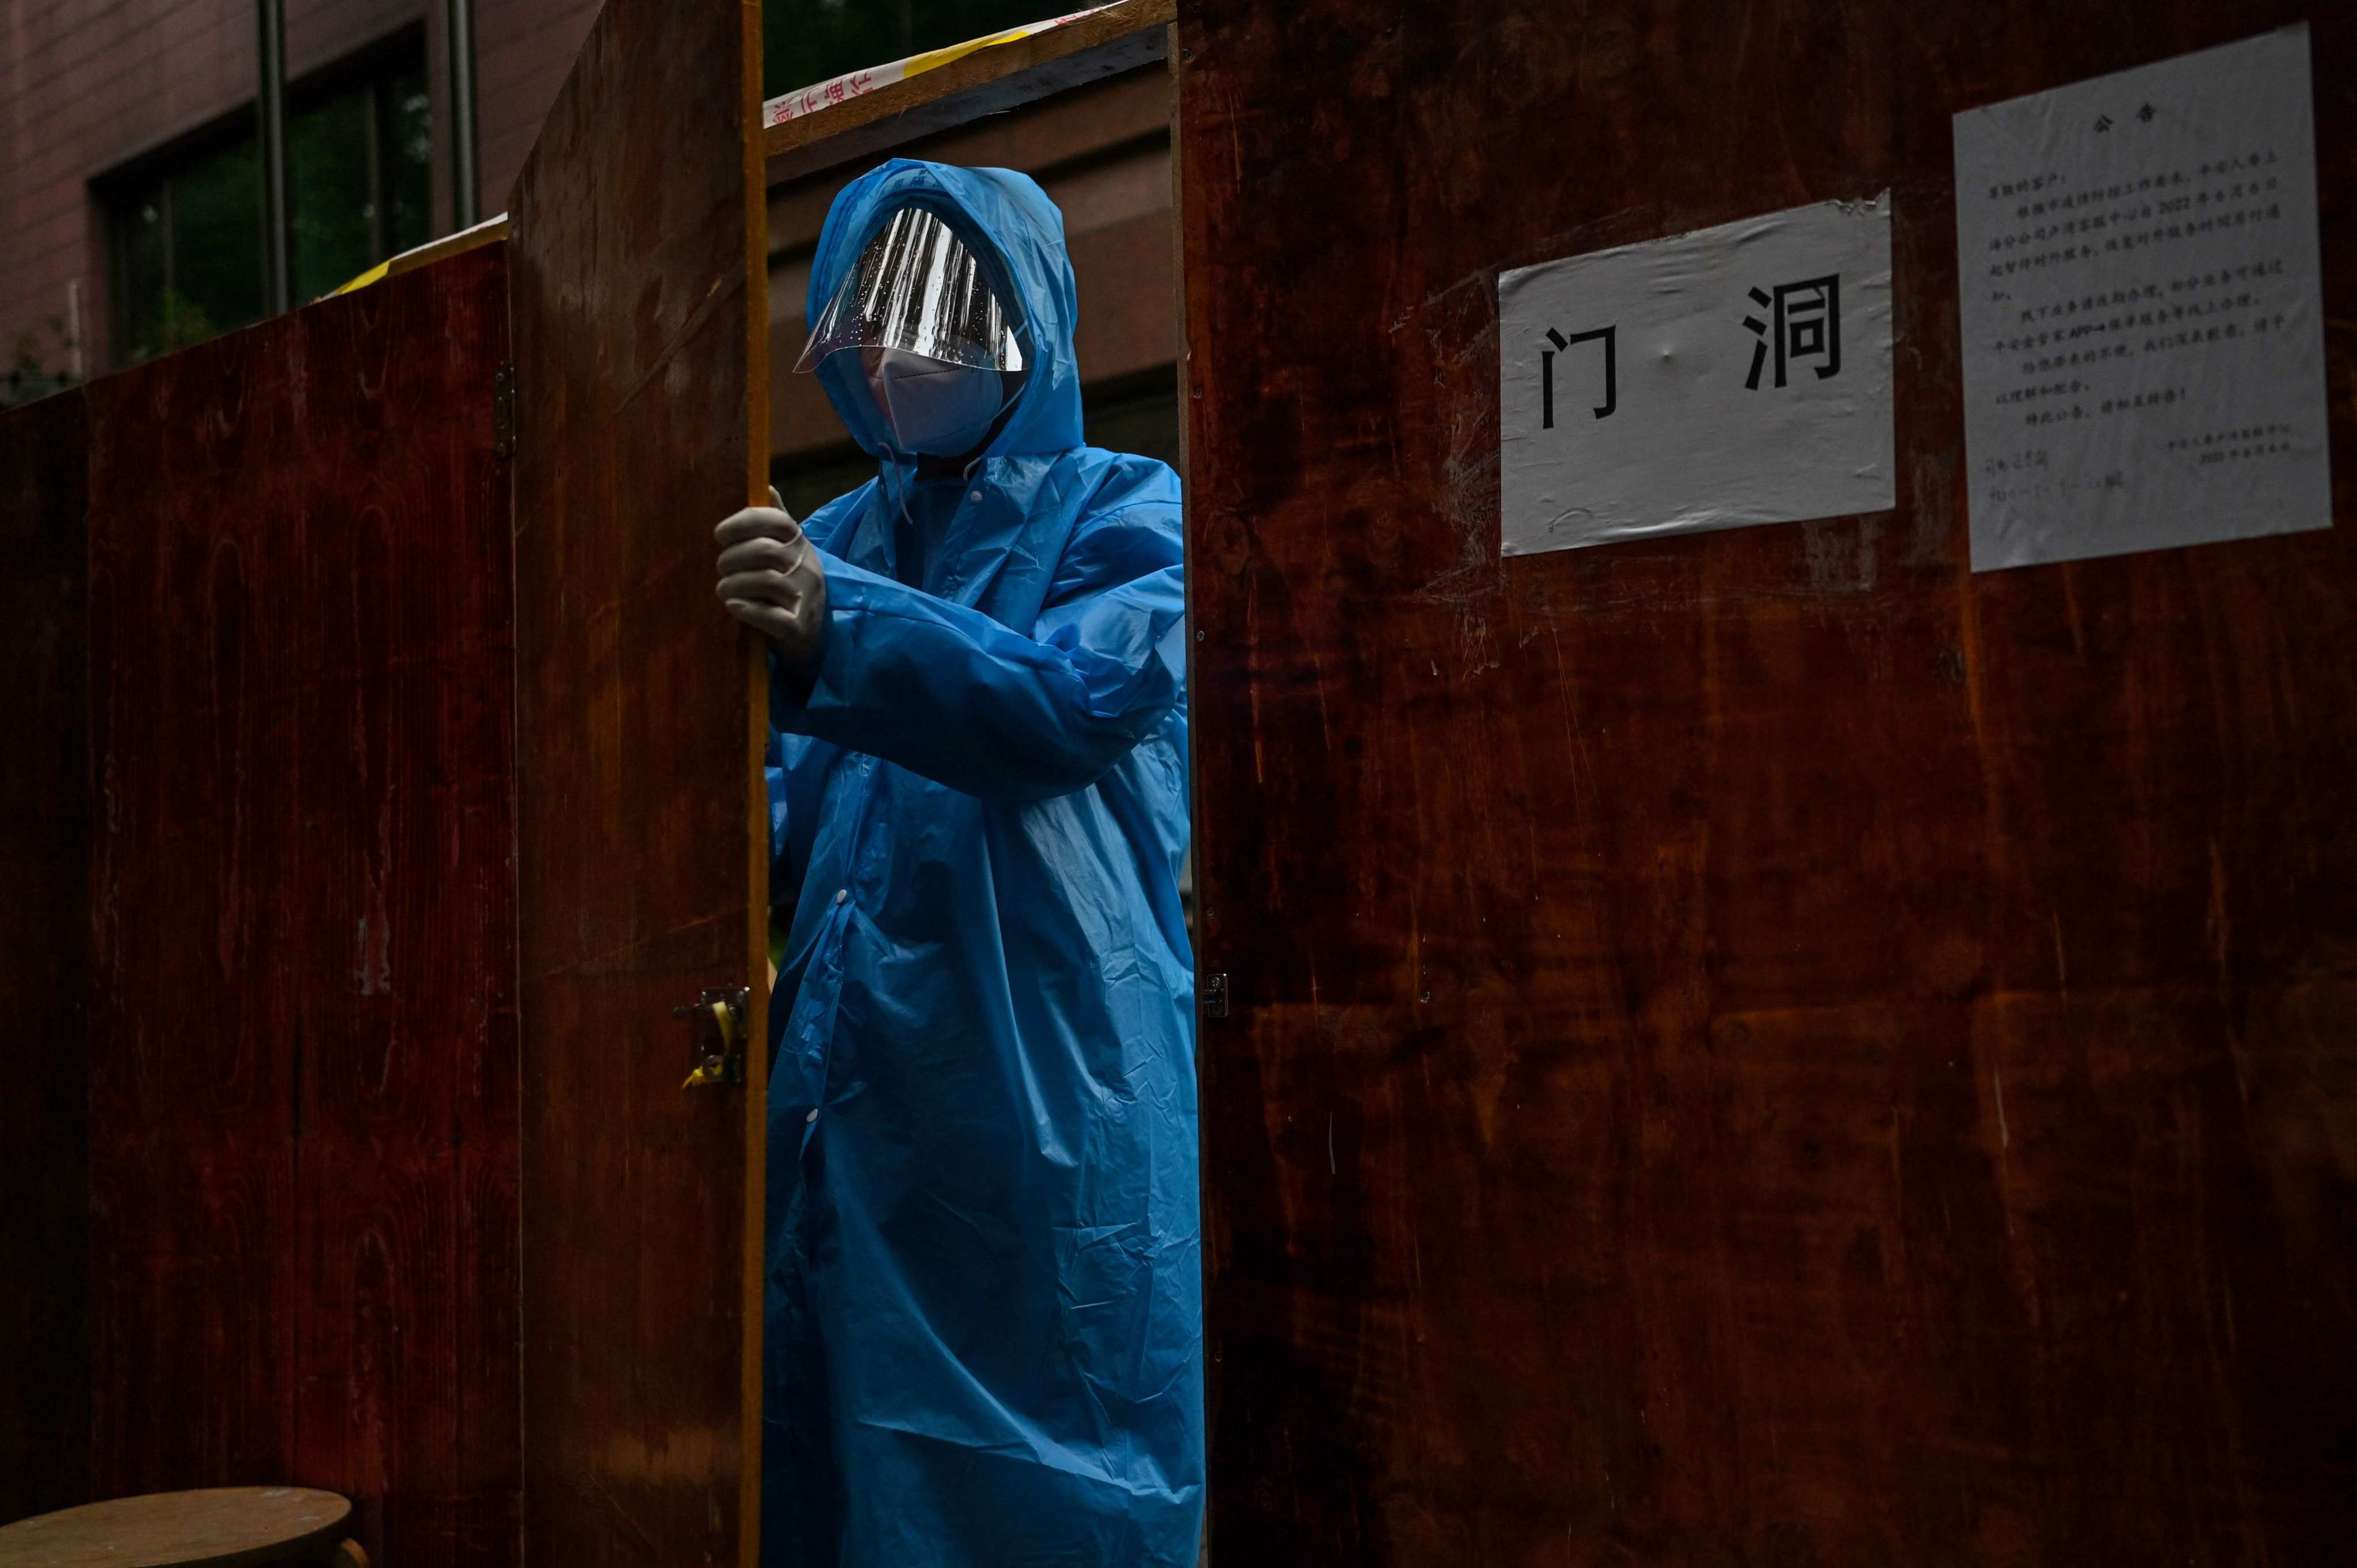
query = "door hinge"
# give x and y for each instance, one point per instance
(504, 418)
(718, 1021)
(1215, 996)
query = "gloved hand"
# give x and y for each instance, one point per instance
(771, 580)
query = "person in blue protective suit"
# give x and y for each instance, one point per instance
(984, 1302)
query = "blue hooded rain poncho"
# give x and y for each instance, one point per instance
(984, 1297)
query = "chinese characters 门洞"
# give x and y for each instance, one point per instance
(1607, 336)
(1805, 324)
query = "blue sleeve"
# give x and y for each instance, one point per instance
(773, 767)
(795, 781)
(948, 693)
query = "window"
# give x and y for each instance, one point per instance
(359, 181)
(186, 252)
(804, 42)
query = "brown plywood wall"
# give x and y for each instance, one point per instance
(640, 717)
(44, 963)
(1759, 1048)
(303, 1078)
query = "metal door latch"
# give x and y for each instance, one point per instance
(718, 1020)
(503, 413)
(1215, 996)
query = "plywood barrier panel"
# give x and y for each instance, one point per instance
(44, 947)
(1760, 1046)
(643, 882)
(302, 1060)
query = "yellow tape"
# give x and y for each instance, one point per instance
(931, 58)
(859, 83)
(366, 278)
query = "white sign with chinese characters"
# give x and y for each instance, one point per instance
(1731, 376)
(2143, 317)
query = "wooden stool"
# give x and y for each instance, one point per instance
(212, 1529)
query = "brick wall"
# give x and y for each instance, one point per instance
(86, 85)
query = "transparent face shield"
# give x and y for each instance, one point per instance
(917, 289)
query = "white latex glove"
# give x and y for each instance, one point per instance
(771, 580)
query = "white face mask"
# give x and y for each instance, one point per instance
(936, 410)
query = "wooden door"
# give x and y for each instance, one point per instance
(302, 1082)
(44, 959)
(1753, 1048)
(640, 382)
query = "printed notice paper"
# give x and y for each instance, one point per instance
(1729, 376)
(2143, 317)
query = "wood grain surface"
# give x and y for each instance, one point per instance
(44, 959)
(218, 1527)
(643, 867)
(1759, 1048)
(302, 1061)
